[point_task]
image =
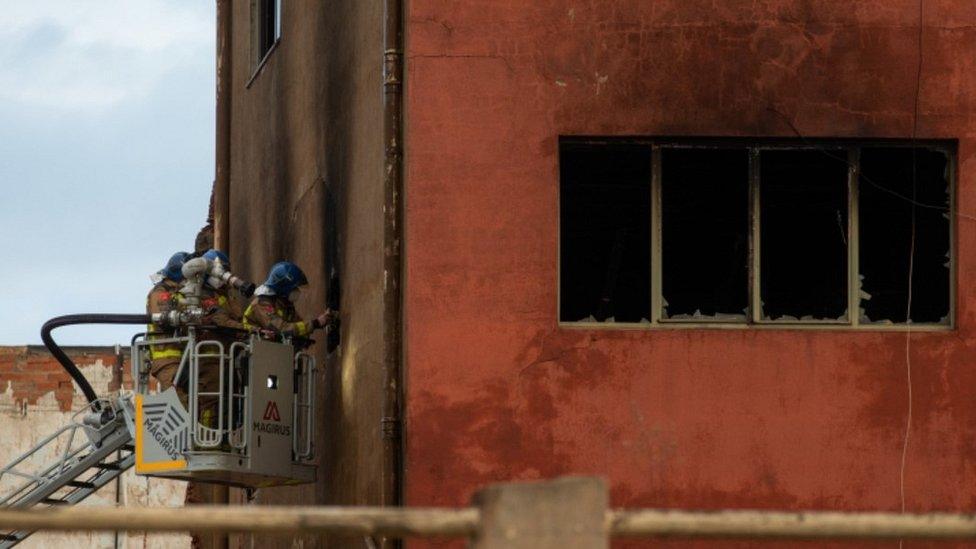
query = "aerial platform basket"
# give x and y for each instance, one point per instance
(253, 428)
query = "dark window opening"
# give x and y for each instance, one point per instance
(268, 25)
(755, 231)
(803, 232)
(605, 218)
(889, 197)
(705, 233)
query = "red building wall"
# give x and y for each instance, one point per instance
(691, 418)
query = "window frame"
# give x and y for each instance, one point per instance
(257, 58)
(754, 319)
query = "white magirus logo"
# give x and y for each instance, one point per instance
(165, 426)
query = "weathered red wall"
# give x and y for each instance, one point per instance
(674, 418)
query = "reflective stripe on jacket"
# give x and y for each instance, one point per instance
(277, 314)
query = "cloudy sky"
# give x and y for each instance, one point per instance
(106, 155)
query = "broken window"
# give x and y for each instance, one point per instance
(904, 191)
(605, 212)
(705, 233)
(755, 232)
(803, 225)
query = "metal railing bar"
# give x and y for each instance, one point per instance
(352, 521)
(465, 522)
(651, 523)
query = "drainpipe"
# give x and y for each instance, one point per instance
(221, 190)
(393, 264)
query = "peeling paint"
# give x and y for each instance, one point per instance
(601, 80)
(693, 418)
(28, 419)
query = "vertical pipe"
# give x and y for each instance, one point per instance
(393, 234)
(221, 221)
(118, 372)
(222, 141)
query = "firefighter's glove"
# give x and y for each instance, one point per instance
(247, 290)
(327, 318)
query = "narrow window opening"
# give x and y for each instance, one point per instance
(803, 231)
(605, 218)
(887, 206)
(705, 234)
(268, 26)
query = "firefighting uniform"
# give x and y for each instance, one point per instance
(276, 313)
(222, 309)
(164, 357)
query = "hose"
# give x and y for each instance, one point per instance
(69, 320)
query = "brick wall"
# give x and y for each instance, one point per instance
(28, 373)
(36, 398)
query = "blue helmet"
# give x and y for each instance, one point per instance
(284, 277)
(174, 267)
(214, 255)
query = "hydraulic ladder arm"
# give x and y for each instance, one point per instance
(76, 460)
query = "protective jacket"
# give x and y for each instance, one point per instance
(224, 311)
(276, 313)
(163, 298)
(221, 308)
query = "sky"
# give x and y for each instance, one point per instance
(106, 156)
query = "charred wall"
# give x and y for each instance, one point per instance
(699, 418)
(306, 184)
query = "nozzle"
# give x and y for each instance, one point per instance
(215, 274)
(246, 288)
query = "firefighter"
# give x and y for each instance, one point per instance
(164, 297)
(221, 305)
(273, 307)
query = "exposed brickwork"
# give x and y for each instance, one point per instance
(27, 373)
(37, 397)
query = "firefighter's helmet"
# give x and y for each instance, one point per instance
(217, 255)
(283, 278)
(173, 269)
